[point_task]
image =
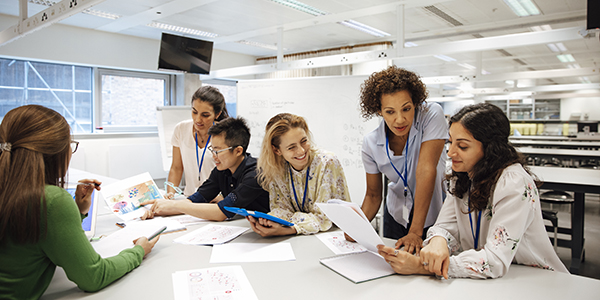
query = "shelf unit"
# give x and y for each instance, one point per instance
(529, 109)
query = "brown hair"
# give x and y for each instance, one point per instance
(270, 165)
(387, 82)
(212, 96)
(36, 151)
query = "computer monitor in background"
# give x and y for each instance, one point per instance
(587, 126)
(185, 54)
(89, 223)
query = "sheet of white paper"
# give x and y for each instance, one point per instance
(338, 243)
(124, 198)
(211, 234)
(352, 223)
(213, 283)
(187, 219)
(251, 252)
(123, 238)
(172, 225)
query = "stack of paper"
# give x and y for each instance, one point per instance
(123, 238)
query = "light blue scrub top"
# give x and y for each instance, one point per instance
(429, 124)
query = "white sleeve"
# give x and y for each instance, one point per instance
(446, 226)
(512, 211)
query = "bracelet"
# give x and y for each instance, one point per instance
(176, 188)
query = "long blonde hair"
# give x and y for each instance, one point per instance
(270, 165)
(35, 152)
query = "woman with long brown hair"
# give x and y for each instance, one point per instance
(40, 224)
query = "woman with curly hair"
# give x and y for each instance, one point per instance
(407, 148)
(297, 176)
(492, 216)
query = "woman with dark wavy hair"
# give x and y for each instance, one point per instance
(492, 216)
(407, 149)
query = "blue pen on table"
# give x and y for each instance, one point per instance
(157, 232)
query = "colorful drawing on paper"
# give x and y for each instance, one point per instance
(133, 197)
(338, 243)
(221, 283)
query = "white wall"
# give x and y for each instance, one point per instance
(587, 105)
(69, 44)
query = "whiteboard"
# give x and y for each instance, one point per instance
(166, 119)
(330, 105)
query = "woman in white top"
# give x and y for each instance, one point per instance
(492, 216)
(406, 148)
(190, 140)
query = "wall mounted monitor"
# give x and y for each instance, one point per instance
(184, 54)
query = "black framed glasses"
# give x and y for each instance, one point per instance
(74, 146)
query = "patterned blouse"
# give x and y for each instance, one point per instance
(326, 181)
(512, 230)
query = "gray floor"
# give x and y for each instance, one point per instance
(591, 266)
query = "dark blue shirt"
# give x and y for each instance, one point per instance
(239, 189)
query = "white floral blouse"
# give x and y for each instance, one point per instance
(512, 230)
(326, 181)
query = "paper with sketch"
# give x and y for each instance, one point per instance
(337, 243)
(213, 283)
(211, 234)
(347, 217)
(187, 219)
(126, 197)
(251, 252)
(123, 238)
(172, 225)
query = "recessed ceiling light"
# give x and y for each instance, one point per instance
(444, 57)
(184, 30)
(565, 58)
(523, 8)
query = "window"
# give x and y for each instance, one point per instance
(64, 88)
(129, 99)
(229, 90)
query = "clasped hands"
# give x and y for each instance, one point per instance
(432, 259)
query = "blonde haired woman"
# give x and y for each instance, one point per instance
(297, 176)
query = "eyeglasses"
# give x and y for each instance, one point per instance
(74, 146)
(216, 152)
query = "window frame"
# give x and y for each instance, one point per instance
(97, 90)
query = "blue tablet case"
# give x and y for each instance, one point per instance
(257, 214)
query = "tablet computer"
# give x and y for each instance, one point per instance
(89, 223)
(257, 214)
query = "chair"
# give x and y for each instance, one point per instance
(554, 197)
(550, 215)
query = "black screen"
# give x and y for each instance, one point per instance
(184, 54)
(593, 14)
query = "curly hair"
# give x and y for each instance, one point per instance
(386, 82)
(489, 125)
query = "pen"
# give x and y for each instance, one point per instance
(88, 183)
(158, 232)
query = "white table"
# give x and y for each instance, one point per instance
(578, 181)
(305, 278)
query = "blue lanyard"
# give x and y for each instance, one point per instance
(405, 177)
(200, 162)
(305, 188)
(475, 235)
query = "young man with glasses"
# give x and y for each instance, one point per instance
(234, 177)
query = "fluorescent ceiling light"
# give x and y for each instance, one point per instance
(561, 47)
(257, 44)
(584, 80)
(523, 8)
(410, 44)
(297, 5)
(444, 57)
(467, 66)
(541, 28)
(565, 58)
(574, 66)
(184, 30)
(558, 47)
(364, 28)
(553, 47)
(509, 82)
(101, 14)
(484, 72)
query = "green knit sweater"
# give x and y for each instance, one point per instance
(27, 269)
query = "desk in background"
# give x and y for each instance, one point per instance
(305, 278)
(578, 181)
